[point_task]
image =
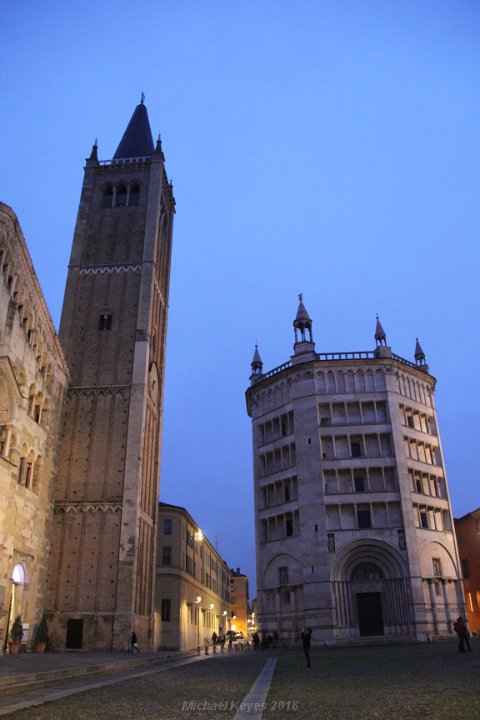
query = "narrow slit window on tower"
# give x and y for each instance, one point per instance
(105, 322)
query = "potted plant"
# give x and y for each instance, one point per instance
(16, 634)
(41, 635)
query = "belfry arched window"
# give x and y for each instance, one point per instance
(134, 195)
(121, 196)
(108, 197)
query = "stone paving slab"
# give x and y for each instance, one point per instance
(42, 694)
(253, 704)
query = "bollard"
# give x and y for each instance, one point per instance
(229, 648)
(214, 649)
(222, 648)
(198, 649)
(206, 649)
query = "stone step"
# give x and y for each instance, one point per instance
(16, 684)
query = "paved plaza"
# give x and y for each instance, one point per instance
(428, 681)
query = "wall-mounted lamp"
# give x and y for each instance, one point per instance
(211, 606)
(199, 536)
(198, 600)
(224, 612)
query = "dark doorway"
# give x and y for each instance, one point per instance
(370, 619)
(74, 634)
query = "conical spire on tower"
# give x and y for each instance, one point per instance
(419, 354)
(93, 159)
(382, 349)
(380, 334)
(302, 326)
(257, 366)
(137, 140)
(302, 322)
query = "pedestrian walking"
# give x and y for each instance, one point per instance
(214, 638)
(306, 639)
(461, 629)
(134, 642)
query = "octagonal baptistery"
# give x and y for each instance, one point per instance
(354, 530)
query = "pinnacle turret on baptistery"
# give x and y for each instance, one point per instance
(257, 366)
(382, 349)
(302, 326)
(420, 357)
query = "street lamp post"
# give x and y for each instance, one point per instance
(197, 603)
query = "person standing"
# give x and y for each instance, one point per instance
(306, 639)
(461, 629)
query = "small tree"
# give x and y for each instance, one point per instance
(16, 633)
(41, 633)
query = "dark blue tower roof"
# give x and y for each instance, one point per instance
(137, 140)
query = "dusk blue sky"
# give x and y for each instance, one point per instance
(328, 147)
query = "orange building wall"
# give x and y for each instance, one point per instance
(467, 529)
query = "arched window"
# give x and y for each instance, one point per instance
(330, 382)
(321, 385)
(121, 196)
(359, 381)
(350, 382)
(36, 475)
(18, 574)
(105, 322)
(370, 382)
(134, 195)
(380, 380)
(108, 197)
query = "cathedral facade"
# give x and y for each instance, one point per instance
(33, 382)
(354, 531)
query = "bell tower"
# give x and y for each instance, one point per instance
(113, 332)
